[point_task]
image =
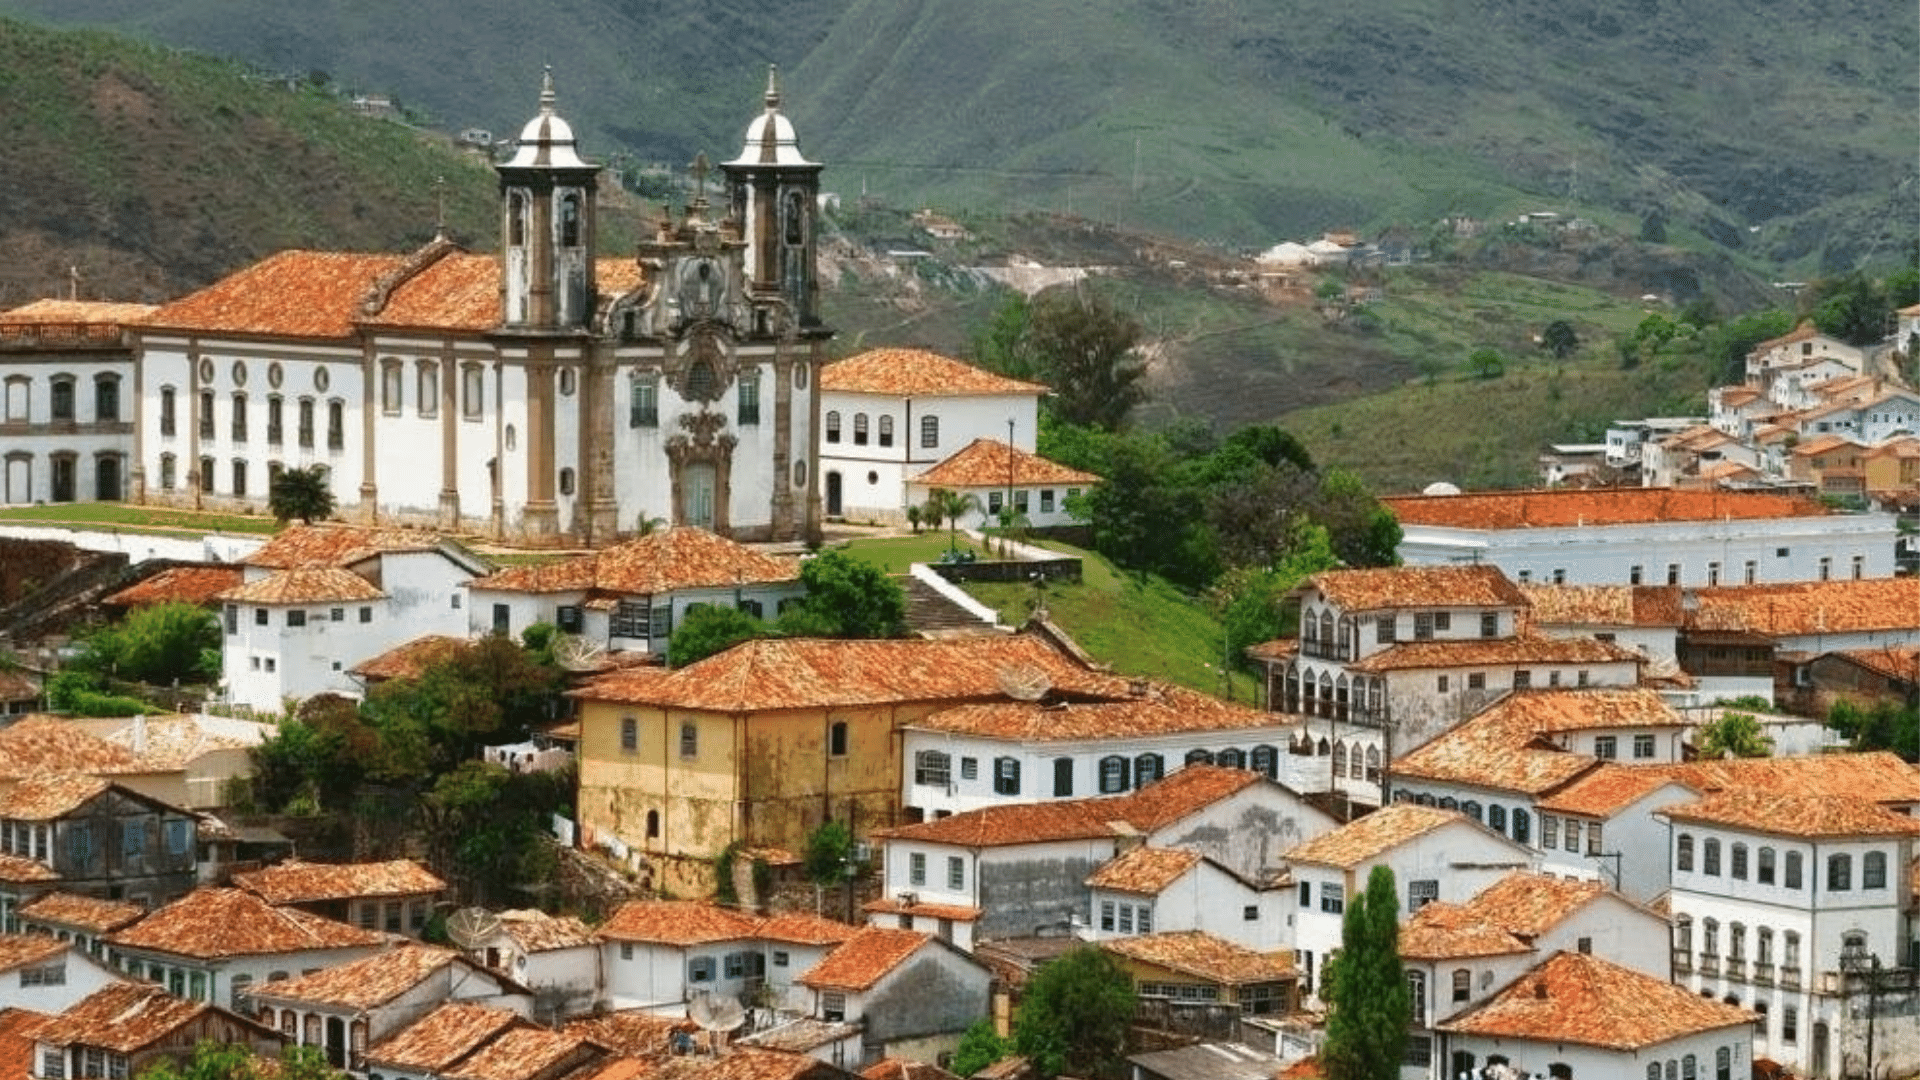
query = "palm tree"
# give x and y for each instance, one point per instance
(951, 506)
(301, 493)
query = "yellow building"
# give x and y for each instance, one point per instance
(764, 742)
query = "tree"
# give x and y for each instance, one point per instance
(1485, 363)
(1560, 339)
(1084, 348)
(847, 597)
(221, 1061)
(1369, 1004)
(301, 493)
(1883, 725)
(950, 507)
(158, 643)
(1075, 1014)
(1735, 734)
(1852, 307)
(980, 1047)
(708, 629)
(1002, 345)
(829, 854)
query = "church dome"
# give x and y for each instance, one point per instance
(547, 140)
(770, 139)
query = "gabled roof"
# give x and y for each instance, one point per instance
(1504, 747)
(441, 1038)
(125, 1017)
(1790, 813)
(178, 585)
(290, 294)
(1604, 605)
(1394, 587)
(19, 869)
(1879, 775)
(1162, 710)
(799, 928)
(523, 1052)
(1202, 955)
(305, 585)
(1563, 508)
(992, 463)
(1575, 998)
(797, 673)
(44, 798)
(81, 912)
(20, 950)
(917, 373)
(534, 931)
(864, 959)
(632, 1032)
(1528, 905)
(366, 982)
(337, 545)
(208, 924)
(1493, 652)
(1610, 788)
(1152, 807)
(39, 745)
(677, 922)
(1374, 835)
(1808, 607)
(1144, 870)
(1892, 662)
(659, 562)
(409, 659)
(1443, 931)
(298, 882)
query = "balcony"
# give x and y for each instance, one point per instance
(1326, 650)
(1682, 962)
(1736, 968)
(1763, 974)
(1789, 978)
(1710, 965)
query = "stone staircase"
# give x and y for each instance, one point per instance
(931, 615)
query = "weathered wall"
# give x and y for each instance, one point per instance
(1024, 897)
(932, 995)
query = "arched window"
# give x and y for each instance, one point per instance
(1373, 763)
(106, 398)
(1710, 857)
(1339, 759)
(1794, 875)
(1723, 1063)
(886, 431)
(1839, 873)
(1683, 934)
(516, 219)
(1199, 756)
(1497, 818)
(1448, 802)
(1326, 694)
(427, 388)
(1873, 870)
(1462, 984)
(1147, 768)
(566, 481)
(860, 429)
(1326, 630)
(1266, 761)
(1560, 1071)
(1113, 774)
(1231, 758)
(1739, 867)
(833, 425)
(391, 387)
(62, 397)
(570, 220)
(1766, 867)
(1417, 991)
(1471, 809)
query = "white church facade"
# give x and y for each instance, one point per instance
(542, 395)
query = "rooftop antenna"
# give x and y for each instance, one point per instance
(717, 1015)
(471, 928)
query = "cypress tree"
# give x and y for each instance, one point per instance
(1369, 1004)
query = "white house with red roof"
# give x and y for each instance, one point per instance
(889, 415)
(48, 974)
(657, 955)
(318, 599)
(1148, 890)
(542, 394)
(1044, 492)
(67, 390)
(911, 993)
(631, 595)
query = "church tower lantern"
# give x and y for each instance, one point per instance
(547, 204)
(775, 193)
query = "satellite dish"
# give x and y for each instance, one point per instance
(576, 653)
(1024, 682)
(720, 1013)
(472, 927)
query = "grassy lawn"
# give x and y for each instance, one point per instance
(135, 518)
(895, 553)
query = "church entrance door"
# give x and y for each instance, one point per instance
(700, 484)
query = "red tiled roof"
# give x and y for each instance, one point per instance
(1417, 586)
(1787, 813)
(1575, 998)
(1608, 789)
(291, 294)
(990, 462)
(1442, 931)
(524, 1052)
(1563, 508)
(44, 798)
(1527, 905)
(1370, 836)
(83, 312)
(1485, 652)
(792, 673)
(1152, 807)
(297, 882)
(917, 373)
(124, 1017)
(1144, 870)
(363, 983)
(1604, 605)
(19, 950)
(16, 1042)
(442, 1037)
(1892, 662)
(1809, 607)
(179, 585)
(1202, 955)
(21, 870)
(864, 959)
(39, 745)
(1501, 747)
(659, 562)
(891, 906)
(213, 923)
(410, 659)
(537, 931)
(1165, 710)
(336, 545)
(1879, 776)
(305, 585)
(81, 912)
(677, 922)
(632, 1032)
(800, 928)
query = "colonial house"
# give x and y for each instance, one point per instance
(1027, 869)
(911, 993)
(1643, 618)
(1794, 905)
(1801, 344)
(1602, 826)
(1042, 493)
(541, 394)
(557, 957)
(1147, 890)
(630, 596)
(1575, 1015)
(48, 975)
(1641, 536)
(84, 920)
(343, 1009)
(66, 429)
(658, 955)
(102, 838)
(761, 743)
(1434, 855)
(218, 944)
(396, 896)
(891, 414)
(974, 756)
(319, 598)
(125, 1028)
(1188, 966)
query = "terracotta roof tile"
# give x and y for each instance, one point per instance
(1442, 931)
(39, 745)
(44, 798)
(82, 912)
(677, 922)
(1560, 508)
(902, 1069)
(336, 545)
(745, 1063)
(892, 906)
(1809, 607)
(917, 373)
(213, 923)
(1165, 710)
(363, 983)
(1274, 652)
(1200, 954)
(1368, 837)
(19, 950)
(291, 294)
(1502, 746)
(791, 673)
(1879, 776)
(522, 1053)
(1892, 662)
(1604, 605)
(305, 585)
(1144, 870)
(17, 1057)
(990, 462)
(659, 562)
(1417, 586)
(83, 312)
(632, 1032)
(1575, 998)
(1527, 905)
(179, 585)
(1482, 652)
(410, 659)
(442, 1037)
(19, 869)
(122, 1017)
(864, 959)
(1608, 789)
(1785, 813)
(18, 686)
(297, 882)
(174, 742)
(1158, 804)
(800, 928)
(536, 931)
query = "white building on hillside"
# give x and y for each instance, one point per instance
(66, 418)
(1042, 492)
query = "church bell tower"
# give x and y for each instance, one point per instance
(547, 204)
(775, 193)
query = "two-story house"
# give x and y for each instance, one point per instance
(1147, 890)
(911, 993)
(657, 955)
(395, 896)
(125, 1028)
(102, 838)
(66, 421)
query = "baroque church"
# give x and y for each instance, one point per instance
(543, 395)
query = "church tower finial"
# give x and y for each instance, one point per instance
(547, 97)
(773, 87)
